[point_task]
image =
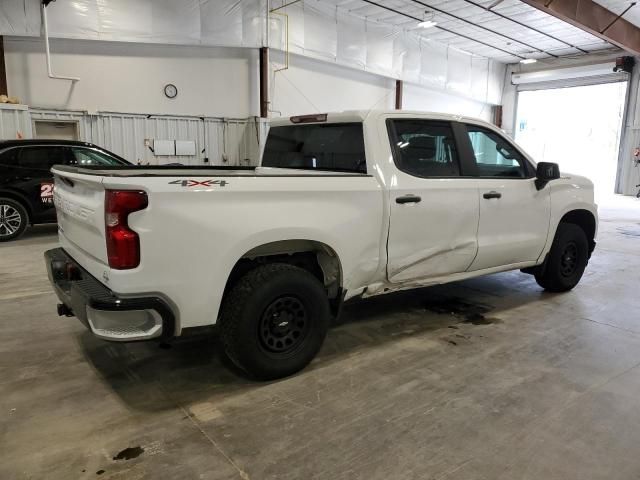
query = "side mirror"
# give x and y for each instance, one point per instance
(545, 172)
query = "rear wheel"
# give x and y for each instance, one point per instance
(274, 320)
(567, 259)
(13, 219)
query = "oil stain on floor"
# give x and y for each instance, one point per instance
(473, 313)
(129, 453)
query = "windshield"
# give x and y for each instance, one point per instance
(334, 147)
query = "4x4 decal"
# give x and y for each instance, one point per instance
(199, 183)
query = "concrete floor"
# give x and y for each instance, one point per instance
(516, 384)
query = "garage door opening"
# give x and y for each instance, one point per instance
(576, 127)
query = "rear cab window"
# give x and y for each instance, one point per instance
(337, 147)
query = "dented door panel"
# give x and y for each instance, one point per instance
(436, 236)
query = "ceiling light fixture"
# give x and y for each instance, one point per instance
(427, 24)
(527, 61)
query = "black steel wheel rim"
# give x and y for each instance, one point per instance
(569, 259)
(284, 325)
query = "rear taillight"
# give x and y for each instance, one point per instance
(123, 244)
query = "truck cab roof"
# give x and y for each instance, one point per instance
(361, 115)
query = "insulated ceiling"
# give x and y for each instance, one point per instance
(546, 38)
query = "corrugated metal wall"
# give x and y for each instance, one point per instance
(14, 121)
(628, 169)
(221, 141)
(125, 134)
(234, 142)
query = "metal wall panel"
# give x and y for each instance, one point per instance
(234, 141)
(125, 134)
(14, 122)
(221, 141)
(628, 174)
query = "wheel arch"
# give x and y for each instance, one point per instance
(316, 257)
(584, 219)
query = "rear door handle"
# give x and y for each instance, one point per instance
(492, 194)
(408, 199)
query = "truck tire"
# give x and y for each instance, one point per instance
(274, 320)
(13, 219)
(567, 259)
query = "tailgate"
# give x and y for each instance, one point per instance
(79, 201)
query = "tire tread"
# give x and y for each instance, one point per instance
(238, 296)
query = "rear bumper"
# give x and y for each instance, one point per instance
(106, 314)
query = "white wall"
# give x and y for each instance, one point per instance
(129, 77)
(419, 98)
(313, 86)
(315, 29)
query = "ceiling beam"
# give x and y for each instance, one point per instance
(595, 19)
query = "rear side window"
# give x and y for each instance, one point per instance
(40, 158)
(334, 147)
(8, 160)
(86, 156)
(424, 148)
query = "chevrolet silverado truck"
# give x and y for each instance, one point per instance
(344, 205)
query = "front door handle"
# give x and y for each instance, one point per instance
(492, 194)
(408, 199)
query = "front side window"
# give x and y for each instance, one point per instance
(494, 156)
(424, 148)
(82, 157)
(332, 146)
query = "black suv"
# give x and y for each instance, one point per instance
(26, 182)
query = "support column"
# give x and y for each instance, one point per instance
(399, 86)
(264, 82)
(3, 70)
(627, 175)
(497, 115)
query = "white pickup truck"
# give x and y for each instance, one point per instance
(344, 205)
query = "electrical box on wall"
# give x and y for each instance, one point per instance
(185, 147)
(164, 147)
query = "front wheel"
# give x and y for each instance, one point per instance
(274, 320)
(567, 259)
(13, 219)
